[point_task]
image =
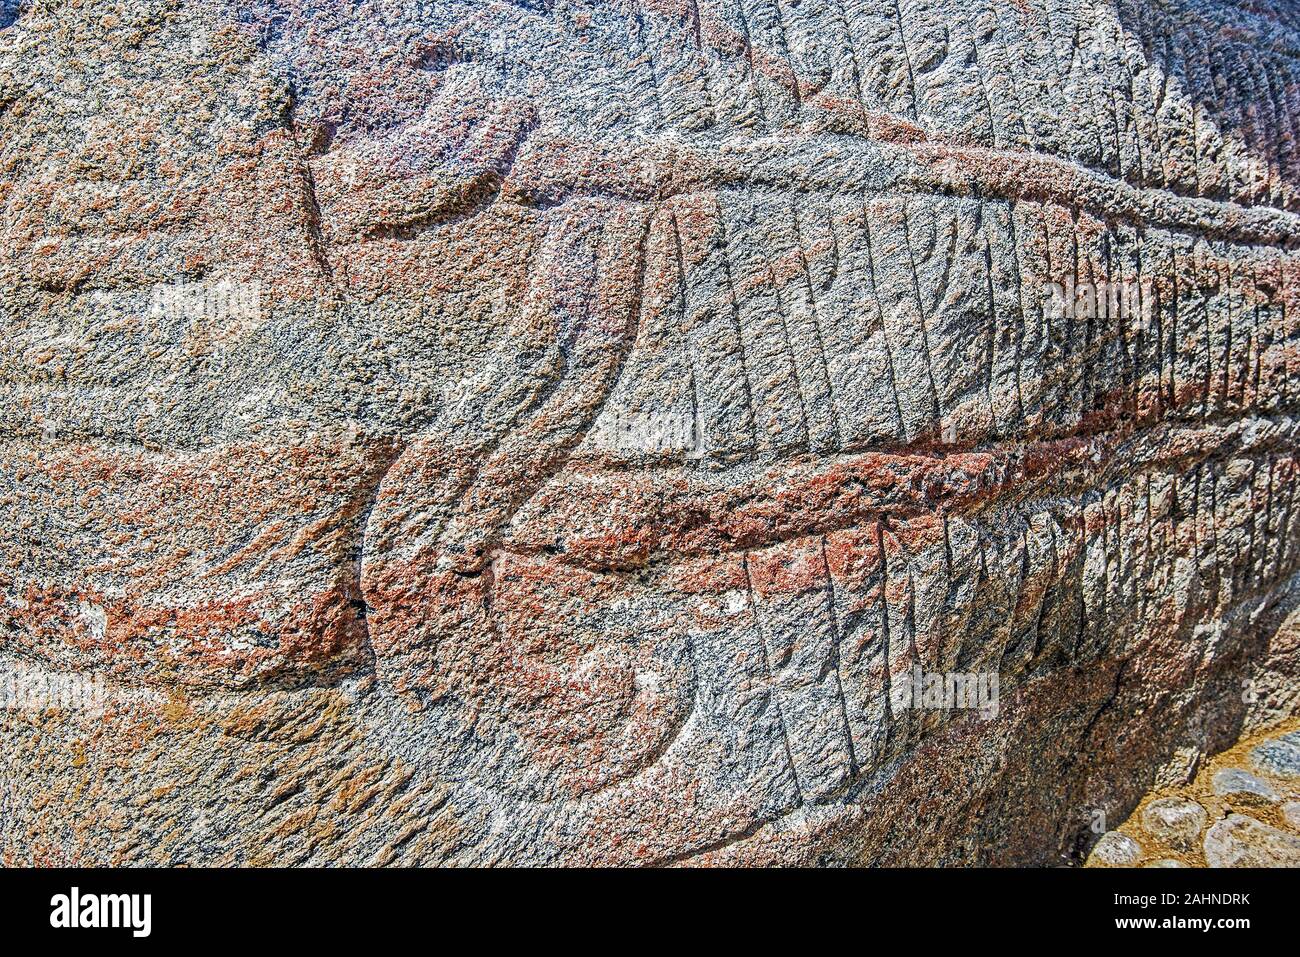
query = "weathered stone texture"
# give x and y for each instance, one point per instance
(1224, 816)
(393, 559)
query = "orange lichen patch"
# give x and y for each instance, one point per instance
(697, 219)
(294, 772)
(256, 637)
(262, 226)
(573, 700)
(624, 520)
(917, 533)
(850, 116)
(695, 516)
(790, 568)
(854, 555)
(706, 576)
(224, 565)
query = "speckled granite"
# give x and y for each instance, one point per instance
(556, 432)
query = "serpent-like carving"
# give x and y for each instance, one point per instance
(626, 403)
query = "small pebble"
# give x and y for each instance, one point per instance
(1175, 822)
(1278, 757)
(1291, 811)
(1166, 862)
(1241, 841)
(1236, 783)
(1116, 850)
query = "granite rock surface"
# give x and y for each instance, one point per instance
(562, 432)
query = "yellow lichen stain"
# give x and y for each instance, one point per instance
(176, 708)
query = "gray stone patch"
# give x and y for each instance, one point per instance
(1279, 757)
(1242, 785)
(1175, 822)
(1116, 850)
(1241, 841)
